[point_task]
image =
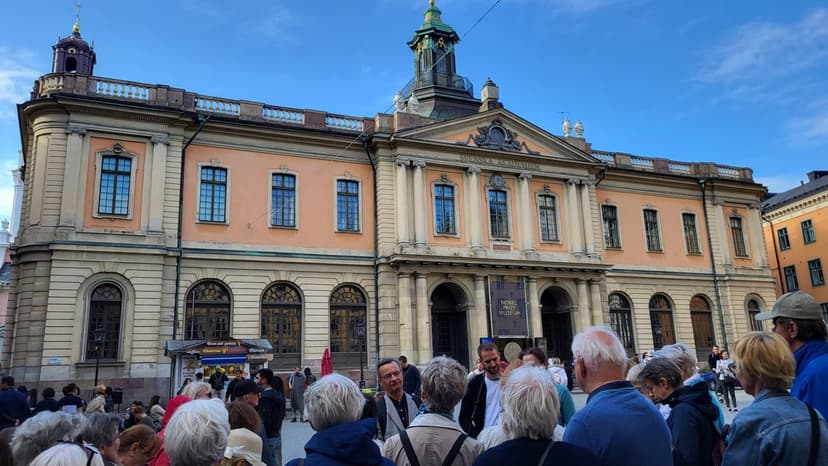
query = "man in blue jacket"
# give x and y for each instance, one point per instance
(798, 319)
(13, 406)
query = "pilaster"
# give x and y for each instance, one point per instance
(424, 352)
(586, 212)
(527, 231)
(473, 211)
(71, 176)
(535, 321)
(403, 233)
(407, 322)
(584, 318)
(419, 205)
(157, 183)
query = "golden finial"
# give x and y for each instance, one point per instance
(76, 27)
(430, 2)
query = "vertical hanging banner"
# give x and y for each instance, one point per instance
(507, 296)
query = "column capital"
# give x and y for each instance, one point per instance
(420, 275)
(754, 205)
(71, 129)
(418, 163)
(580, 281)
(718, 201)
(532, 279)
(573, 181)
(479, 278)
(404, 275)
(588, 182)
(401, 161)
(525, 176)
(473, 170)
(595, 280)
(160, 139)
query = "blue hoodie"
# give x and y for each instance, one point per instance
(812, 375)
(345, 444)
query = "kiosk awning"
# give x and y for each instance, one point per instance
(217, 360)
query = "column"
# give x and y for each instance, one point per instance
(756, 236)
(403, 234)
(473, 209)
(407, 321)
(424, 352)
(586, 210)
(527, 227)
(583, 305)
(71, 176)
(156, 183)
(419, 205)
(723, 224)
(535, 322)
(573, 217)
(595, 302)
(480, 325)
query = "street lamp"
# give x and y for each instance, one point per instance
(360, 331)
(99, 336)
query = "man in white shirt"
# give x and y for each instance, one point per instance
(481, 405)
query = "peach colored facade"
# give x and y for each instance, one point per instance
(373, 237)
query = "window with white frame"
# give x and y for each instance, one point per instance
(212, 204)
(815, 269)
(784, 241)
(498, 214)
(347, 205)
(283, 200)
(444, 221)
(612, 238)
(808, 235)
(738, 234)
(548, 217)
(791, 283)
(113, 196)
(651, 230)
(691, 234)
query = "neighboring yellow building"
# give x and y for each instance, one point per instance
(160, 225)
(796, 230)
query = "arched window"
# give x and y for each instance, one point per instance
(103, 331)
(661, 319)
(620, 313)
(282, 324)
(702, 318)
(349, 310)
(207, 311)
(753, 308)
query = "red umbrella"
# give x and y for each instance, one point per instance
(327, 365)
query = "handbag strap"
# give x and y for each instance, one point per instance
(546, 452)
(455, 449)
(814, 450)
(409, 450)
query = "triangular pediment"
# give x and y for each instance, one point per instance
(499, 130)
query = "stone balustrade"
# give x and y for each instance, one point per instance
(672, 167)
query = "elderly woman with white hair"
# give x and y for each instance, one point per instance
(530, 409)
(435, 436)
(197, 434)
(685, 358)
(40, 432)
(198, 391)
(333, 406)
(67, 454)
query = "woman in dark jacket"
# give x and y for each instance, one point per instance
(692, 416)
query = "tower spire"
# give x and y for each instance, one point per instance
(76, 27)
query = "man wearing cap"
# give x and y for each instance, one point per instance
(248, 391)
(798, 319)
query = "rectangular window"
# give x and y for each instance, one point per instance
(815, 269)
(651, 230)
(738, 234)
(808, 235)
(115, 178)
(347, 205)
(444, 209)
(548, 217)
(213, 196)
(784, 241)
(498, 214)
(283, 201)
(612, 239)
(791, 282)
(691, 236)
(824, 307)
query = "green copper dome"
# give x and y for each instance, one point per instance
(432, 19)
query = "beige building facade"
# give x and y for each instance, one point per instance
(154, 218)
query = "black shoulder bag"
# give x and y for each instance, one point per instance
(814, 450)
(412, 457)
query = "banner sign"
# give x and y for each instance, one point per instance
(507, 296)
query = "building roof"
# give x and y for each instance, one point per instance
(810, 188)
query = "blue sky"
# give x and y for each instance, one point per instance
(736, 82)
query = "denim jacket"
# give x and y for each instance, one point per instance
(774, 430)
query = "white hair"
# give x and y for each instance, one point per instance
(530, 404)
(40, 432)
(333, 400)
(682, 355)
(65, 454)
(193, 388)
(101, 429)
(444, 383)
(599, 347)
(197, 433)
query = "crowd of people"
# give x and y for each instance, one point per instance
(658, 411)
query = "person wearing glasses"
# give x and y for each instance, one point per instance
(397, 409)
(68, 454)
(798, 318)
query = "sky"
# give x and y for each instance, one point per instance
(738, 82)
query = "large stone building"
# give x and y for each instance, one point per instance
(796, 227)
(163, 230)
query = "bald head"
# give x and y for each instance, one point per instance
(599, 357)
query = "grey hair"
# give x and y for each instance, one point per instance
(599, 347)
(101, 429)
(197, 433)
(530, 403)
(193, 388)
(661, 368)
(64, 454)
(682, 355)
(40, 432)
(333, 400)
(444, 384)
(634, 374)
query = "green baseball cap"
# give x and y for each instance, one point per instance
(793, 305)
